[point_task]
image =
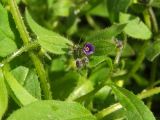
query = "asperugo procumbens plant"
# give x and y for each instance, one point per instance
(108, 53)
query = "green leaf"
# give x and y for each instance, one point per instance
(17, 91)
(20, 73)
(105, 34)
(153, 50)
(81, 90)
(96, 60)
(155, 3)
(104, 48)
(134, 107)
(135, 27)
(99, 10)
(7, 44)
(49, 40)
(6, 1)
(29, 79)
(32, 84)
(65, 85)
(61, 7)
(117, 115)
(89, 5)
(103, 39)
(100, 76)
(115, 7)
(126, 51)
(140, 80)
(52, 110)
(3, 95)
(58, 64)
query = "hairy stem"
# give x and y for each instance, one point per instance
(26, 39)
(30, 46)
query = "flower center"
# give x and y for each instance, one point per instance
(87, 49)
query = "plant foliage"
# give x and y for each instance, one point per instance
(79, 59)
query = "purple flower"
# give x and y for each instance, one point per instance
(88, 49)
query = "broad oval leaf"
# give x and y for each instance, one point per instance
(18, 92)
(52, 110)
(7, 43)
(134, 107)
(49, 40)
(135, 27)
(3, 95)
(28, 79)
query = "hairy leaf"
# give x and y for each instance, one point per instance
(134, 107)
(135, 27)
(49, 40)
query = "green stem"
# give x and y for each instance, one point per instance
(30, 46)
(19, 22)
(149, 93)
(153, 71)
(92, 22)
(147, 19)
(42, 75)
(108, 110)
(117, 106)
(26, 39)
(139, 60)
(154, 20)
(155, 62)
